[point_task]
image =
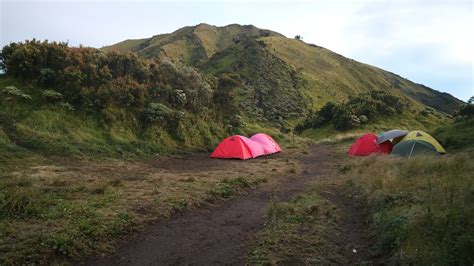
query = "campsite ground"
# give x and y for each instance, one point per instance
(63, 208)
(227, 232)
(306, 205)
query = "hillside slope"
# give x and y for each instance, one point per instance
(325, 75)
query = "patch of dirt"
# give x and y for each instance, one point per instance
(217, 234)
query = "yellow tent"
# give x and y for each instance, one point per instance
(420, 135)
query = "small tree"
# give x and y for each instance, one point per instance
(298, 37)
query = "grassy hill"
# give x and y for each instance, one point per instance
(325, 75)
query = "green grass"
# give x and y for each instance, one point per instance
(421, 207)
(298, 232)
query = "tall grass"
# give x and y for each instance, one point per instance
(423, 208)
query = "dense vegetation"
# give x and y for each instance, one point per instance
(362, 109)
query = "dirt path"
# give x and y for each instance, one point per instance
(220, 234)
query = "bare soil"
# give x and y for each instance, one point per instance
(220, 234)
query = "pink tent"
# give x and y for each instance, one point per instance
(255, 147)
(267, 143)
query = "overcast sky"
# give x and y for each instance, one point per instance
(426, 41)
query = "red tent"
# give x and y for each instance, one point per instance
(367, 144)
(238, 147)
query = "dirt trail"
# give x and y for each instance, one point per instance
(220, 234)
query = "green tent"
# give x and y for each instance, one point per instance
(413, 147)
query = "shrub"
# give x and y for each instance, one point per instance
(158, 112)
(363, 119)
(343, 119)
(52, 96)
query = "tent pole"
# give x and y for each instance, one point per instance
(411, 151)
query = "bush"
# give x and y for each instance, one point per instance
(356, 111)
(343, 119)
(157, 112)
(52, 96)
